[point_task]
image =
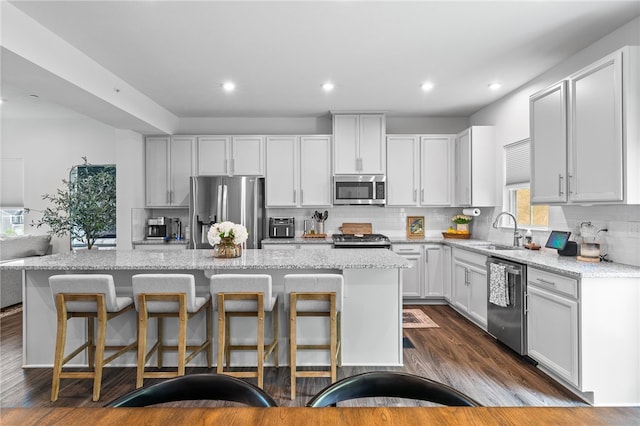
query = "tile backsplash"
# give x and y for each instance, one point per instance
(391, 221)
(621, 242)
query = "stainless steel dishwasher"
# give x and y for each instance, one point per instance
(509, 324)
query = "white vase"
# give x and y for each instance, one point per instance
(462, 227)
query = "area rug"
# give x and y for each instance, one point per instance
(415, 318)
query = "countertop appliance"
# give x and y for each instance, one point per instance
(360, 190)
(238, 199)
(361, 241)
(158, 228)
(509, 324)
(282, 227)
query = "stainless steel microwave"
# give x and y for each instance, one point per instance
(360, 190)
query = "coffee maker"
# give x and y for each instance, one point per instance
(157, 228)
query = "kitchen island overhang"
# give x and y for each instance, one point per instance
(371, 319)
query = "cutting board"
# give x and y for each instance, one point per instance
(357, 228)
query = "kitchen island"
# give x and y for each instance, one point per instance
(371, 318)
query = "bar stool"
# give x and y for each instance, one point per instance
(163, 296)
(91, 297)
(314, 295)
(244, 295)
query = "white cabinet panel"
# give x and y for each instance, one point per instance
(282, 171)
(475, 167)
(403, 170)
(248, 156)
(168, 166)
(598, 121)
(298, 171)
(435, 170)
(433, 276)
(596, 132)
(548, 112)
(315, 171)
(469, 284)
(359, 143)
(552, 331)
(463, 169)
(213, 155)
(419, 170)
(231, 155)
(412, 278)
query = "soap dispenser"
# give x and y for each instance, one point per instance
(528, 237)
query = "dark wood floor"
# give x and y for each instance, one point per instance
(457, 353)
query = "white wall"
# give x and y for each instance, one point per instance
(51, 140)
(510, 116)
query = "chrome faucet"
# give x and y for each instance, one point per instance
(516, 232)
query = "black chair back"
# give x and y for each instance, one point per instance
(218, 387)
(391, 385)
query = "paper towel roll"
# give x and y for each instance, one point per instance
(471, 212)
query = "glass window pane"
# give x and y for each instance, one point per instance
(523, 206)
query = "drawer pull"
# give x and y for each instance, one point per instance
(546, 282)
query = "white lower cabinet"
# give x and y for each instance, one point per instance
(424, 279)
(469, 285)
(552, 323)
(445, 258)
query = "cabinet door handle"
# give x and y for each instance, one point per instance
(560, 178)
(415, 195)
(426, 256)
(526, 303)
(294, 196)
(570, 183)
(546, 282)
(422, 195)
(168, 197)
(301, 196)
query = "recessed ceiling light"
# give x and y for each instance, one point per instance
(328, 86)
(427, 86)
(495, 86)
(228, 86)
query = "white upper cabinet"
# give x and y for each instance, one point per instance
(168, 166)
(298, 171)
(548, 115)
(315, 171)
(403, 170)
(598, 120)
(595, 144)
(435, 170)
(231, 155)
(475, 167)
(419, 170)
(359, 143)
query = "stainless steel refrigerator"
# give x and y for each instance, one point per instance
(238, 199)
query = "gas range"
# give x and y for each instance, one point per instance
(361, 241)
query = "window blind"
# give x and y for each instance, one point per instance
(518, 165)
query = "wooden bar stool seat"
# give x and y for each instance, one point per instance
(92, 297)
(314, 295)
(244, 295)
(163, 296)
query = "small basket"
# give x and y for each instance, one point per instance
(456, 236)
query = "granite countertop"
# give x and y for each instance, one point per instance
(105, 260)
(549, 260)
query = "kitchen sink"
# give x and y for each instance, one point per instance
(491, 246)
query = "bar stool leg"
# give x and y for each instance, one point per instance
(99, 353)
(292, 343)
(260, 349)
(333, 338)
(160, 328)
(209, 333)
(227, 338)
(182, 334)
(276, 331)
(142, 339)
(91, 341)
(61, 337)
(221, 333)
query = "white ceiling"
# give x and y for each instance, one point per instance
(279, 53)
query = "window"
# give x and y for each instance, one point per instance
(518, 193)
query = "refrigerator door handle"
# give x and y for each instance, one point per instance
(225, 213)
(218, 217)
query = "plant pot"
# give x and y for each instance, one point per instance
(227, 249)
(462, 227)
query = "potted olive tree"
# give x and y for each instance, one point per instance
(85, 207)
